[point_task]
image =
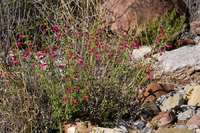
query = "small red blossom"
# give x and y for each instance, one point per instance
(111, 54)
(41, 54)
(32, 64)
(139, 66)
(41, 25)
(161, 31)
(91, 51)
(168, 46)
(6, 84)
(85, 98)
(164, 36)
(53, 55)
(21, 36)
(158, 40)
(62, 65)
(59, 36)
(44, 31)
(74, 101)
(13, 56)
(148, 77)
(69, 57)
(76, 75)
(54, 28)
(80, 61)
(97, 58)
(68, 92)
(123, 47)
(65, 100)
(79, 33)
(77, 89)
(87, 44)
(15, 62)
(151, 69)
(135, 46)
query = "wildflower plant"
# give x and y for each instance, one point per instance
(72, 72)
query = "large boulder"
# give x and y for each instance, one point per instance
(127, 13)
(179, 66)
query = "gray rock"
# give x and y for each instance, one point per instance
(122, 127)
(148, 130)
(180, 126)
(139, 124)
(170, 101)
(186, 114)
(105, 130)
(139, 53)
(179, 66)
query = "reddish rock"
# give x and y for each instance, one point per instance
(154, 91)
(195, 26)
(194, 121)
(164, 119)
(127, 13)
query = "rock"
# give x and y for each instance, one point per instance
(194, 122)
(154, 91)
(139, 53)
(139, 124)
(78, 127)
(149, 110)
(174, 130)
(122, 127)
(147, 130)
(163, 119)
(194, 9)
(72, 130)
(179, 66)
(105, 130)
(186, 114)
(192, 94)
(195, 26)
(127, 13)
(172, 100)
(181, 126)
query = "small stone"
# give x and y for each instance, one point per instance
(140, 124)
(194, 122)
(105, 130)
(174, 130)
(72, 130)
(164, 119)
(181, 126)
(147, 130)
(192, 94)
(139, 53)
(172, 101)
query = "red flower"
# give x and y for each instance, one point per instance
(123, 47)
(86, 99)
(69, 57)
(80, 61)
(148, 77)
(65, 100)
(97, 58)
(161, 31)
(68, 92)
(77, 89)
(76, 75)
(91, 51)
(74, 101)
(21, 36)
(42, 25)
(87, 44)
(139, 66)
(168, 46)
